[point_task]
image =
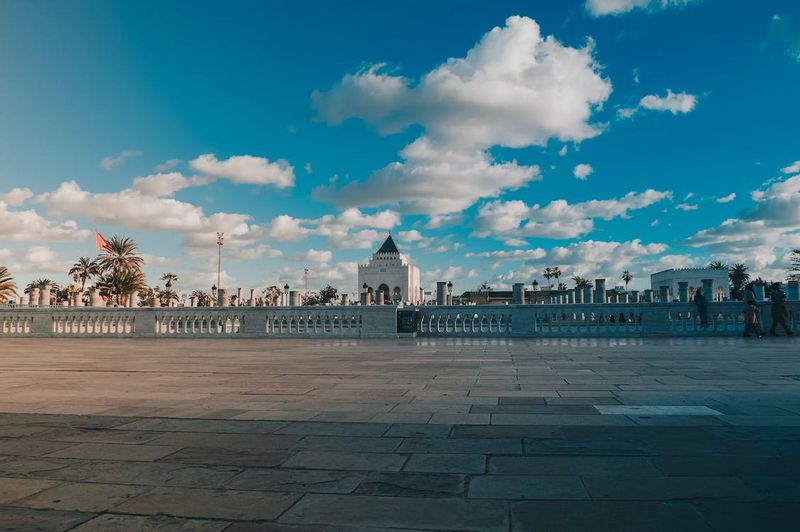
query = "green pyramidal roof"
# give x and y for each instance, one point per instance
(389, 246)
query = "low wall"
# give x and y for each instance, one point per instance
(577, 320)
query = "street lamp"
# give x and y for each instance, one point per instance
(219, 257)
(305, 275)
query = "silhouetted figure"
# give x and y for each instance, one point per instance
(702, 308)
(752, 314)
(779, 310)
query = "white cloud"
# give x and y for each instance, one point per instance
(510, 255)
(618, 7)
(672, 102)
(16, 196)
(112, 161)
(792, 168)
(166, 166)
(313, 255)
(308, 168)
(727, 199)
(514, 88)
(686, 207)
(410, 236)
(137, 211)
(762, 235)
(30, 226)
(349, 229)
(165, 184)
(246, 169)
(582, 171)
(563, 151)
(558, 219)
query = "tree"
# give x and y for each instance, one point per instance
(581, 282)
(166, 296)
(738, 276)
(548, 274)
(311, 299)
(555, 273)
(327, 294)
(40, 284)
(717, 265)
(121, 266)
(8, 288)
(84, 270)
(202, 298)
(627, 277)
(169, 278)
(562, 286)
(120, 256)
(794, 268)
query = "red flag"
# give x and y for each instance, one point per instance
(101, 243)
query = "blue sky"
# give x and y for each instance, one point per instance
(492, 139)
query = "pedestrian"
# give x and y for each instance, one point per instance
(702, 307)
(752, 314)
(779, 311)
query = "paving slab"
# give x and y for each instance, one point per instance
(82, 497)
(514, 487)
(350, 461)
(125, 523)
(446, 463)
(13, 489)
(214, 504)
(399, 512)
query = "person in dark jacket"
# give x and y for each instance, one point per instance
(779, 312)
(702, 308)
(752, 313)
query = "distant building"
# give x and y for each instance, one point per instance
(694, 277)
(390, 272)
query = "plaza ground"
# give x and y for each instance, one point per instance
(411, 434)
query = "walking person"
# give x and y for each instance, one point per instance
(702, 307)
(752, 314)
(779, 311)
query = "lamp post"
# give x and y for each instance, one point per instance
(305, 276)
(219, 257)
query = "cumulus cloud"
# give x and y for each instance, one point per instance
(514, 88)
(410, 236)
(582, 171)
(28, 225)
(589, 258)
(727, 199)
(16, 196)
(112, 161)
(246, 169)
(600, 8)
(675, 103)
(166, 166)
(349, 229)
(686, 206)
(134, 210)
(763, 233)
(558, 219)
(511, 255)
(165, 184)
(313, 255)
(793, 168)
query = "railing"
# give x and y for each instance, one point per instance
(498, 321)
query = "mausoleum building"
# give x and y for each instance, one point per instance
(390, 272)
(674, 278)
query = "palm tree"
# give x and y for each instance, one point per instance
(84, 270)
(40, 284)
(738, 277)
(548, 274)
(120, 256)
(556, 273)
(203, 298)
(8, 288)
(581, 282)
(627, 277)
(717, 265)
(166, 296)
(169, 278)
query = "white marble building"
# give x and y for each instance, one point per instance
(390, 272)
(694, 277)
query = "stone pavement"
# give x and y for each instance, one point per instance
(292, 435)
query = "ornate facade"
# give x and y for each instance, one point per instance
(390, 272)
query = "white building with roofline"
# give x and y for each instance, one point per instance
(390, 272)
(694, 279)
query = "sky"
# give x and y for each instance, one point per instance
(490, 139)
